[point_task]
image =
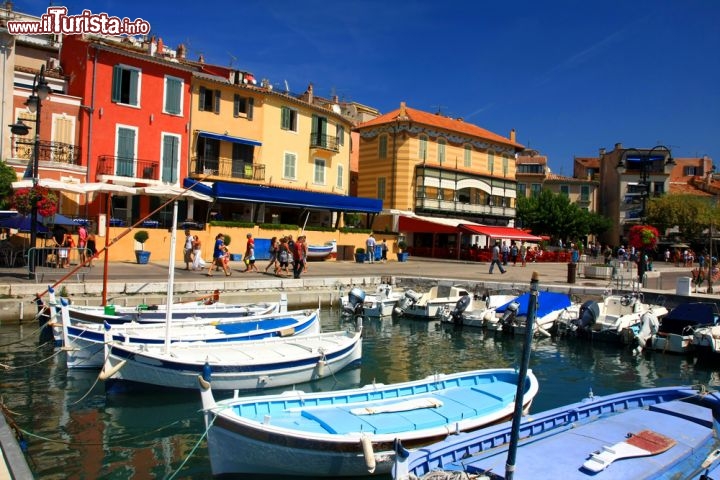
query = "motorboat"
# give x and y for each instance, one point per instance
(674, 334)
(431, 305)
(659, 433)
(351, 432)
(512, 316)
(379, 304)
(484, 311)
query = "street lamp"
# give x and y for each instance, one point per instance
(40, 92)
(646, 159)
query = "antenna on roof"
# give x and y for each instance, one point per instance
(233, 59)
(287, 87)
(439, 109)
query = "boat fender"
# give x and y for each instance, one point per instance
(542, 331)
(358, 322)
(368, 453)
(207, 372)
(321, 368)
(106, 373)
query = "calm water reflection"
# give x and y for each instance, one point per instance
(76, 431)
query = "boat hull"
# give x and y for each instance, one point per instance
(351, 450)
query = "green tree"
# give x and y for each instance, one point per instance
(690, 213)
(553, 214)
(7, 176)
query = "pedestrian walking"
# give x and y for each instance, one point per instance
(274, 251)
(370, 244)
(297, 254)
(188, 249)
(250, 255)
(219, 251)
(383, 251)
(496, 259)
(198, 262)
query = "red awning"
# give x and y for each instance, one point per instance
(425, 225)
(501, 232)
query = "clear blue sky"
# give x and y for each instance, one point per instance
(570, 76)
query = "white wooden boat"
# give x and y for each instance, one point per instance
(320, 252)
(248, 365)
(654, 433)
(433, 304)
(483, 314)
(351, 432)
(379, 304)
(706, 342)
(616, 318)
(83, 342)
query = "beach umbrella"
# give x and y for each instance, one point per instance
(22, 223)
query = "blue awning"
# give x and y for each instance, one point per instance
(229, 138)
(291, 198)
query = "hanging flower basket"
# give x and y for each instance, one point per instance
(643, 237)
(45, 199)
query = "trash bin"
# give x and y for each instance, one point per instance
(684, 286)
(572, 272)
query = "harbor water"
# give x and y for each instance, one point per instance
(74, 430)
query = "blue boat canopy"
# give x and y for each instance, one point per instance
(287, 197)
(229, 138)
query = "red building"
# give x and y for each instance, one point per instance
(136, 111)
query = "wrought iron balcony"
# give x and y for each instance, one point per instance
(128, 167)
(47, 151)
(326, 142)
(228, 168)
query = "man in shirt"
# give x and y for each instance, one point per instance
(496, 259)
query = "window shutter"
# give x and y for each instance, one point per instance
(203, 92)
(217, 101)
(134, 77)
(251, 104)
(236, 105)
(172, 96)
(285, 118)
(117, 83)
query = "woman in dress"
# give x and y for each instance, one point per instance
(198, 262)
(274, 250)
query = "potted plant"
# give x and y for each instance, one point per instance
(360, 255)
(402, 254)
(142, 256)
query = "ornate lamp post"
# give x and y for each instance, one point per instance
(40, 92)
(645, 161)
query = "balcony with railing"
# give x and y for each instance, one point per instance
(463, 208)
(324, 142)
(223, 167)
(112, 166)
(47, 151)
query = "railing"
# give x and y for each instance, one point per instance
(128, 167)
(326, 142)
(52, 261)
(460, 207)
(47, 151)
(227, 167)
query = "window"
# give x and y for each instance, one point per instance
(584, 193)
(422, 148)
(491, 162)
(565, 190)
(468, 156)
(288, 120)
(340, 134)
(692, 171)
(506, 166)
(209, 100)
(319, 177)
(125, 150)
(382, 146)
(289, 166)
(126, 85)
(173, 95)
(381, 188)
(521, 189)
(530, 168)
(420, 191)
(441, 151)
(535, 190)
(243, 106)
(170, 158)
(340, 182)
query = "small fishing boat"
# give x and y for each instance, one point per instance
(320, 252)
(659, 433)
(248, 365)
(674, 334)
(84, 342)
(616, 318)
(483, 312)
(380, 304)
(351, 432)
(433, 304)
(706, 342)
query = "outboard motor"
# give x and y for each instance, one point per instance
(460, 307)
(409, 299)
(356, 302)
(589, 313)
(509, 314)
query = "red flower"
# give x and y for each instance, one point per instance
(643, 237)
(45, 199)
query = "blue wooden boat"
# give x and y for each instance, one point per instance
(351, 432)
(654, 433)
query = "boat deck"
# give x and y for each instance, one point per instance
(391, 415)
(561, 454)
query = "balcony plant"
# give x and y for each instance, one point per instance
(142, 256)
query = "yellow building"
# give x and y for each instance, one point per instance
(270, 156)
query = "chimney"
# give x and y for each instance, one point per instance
(160, 47)
(152, 46)
(602, 151)
(513, 136)
(181, 51)
(309, 93)
(618, 146)
(403, 113)
(201, 58)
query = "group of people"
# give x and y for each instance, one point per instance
(63, 242)
(192, 252)
(286, 251)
